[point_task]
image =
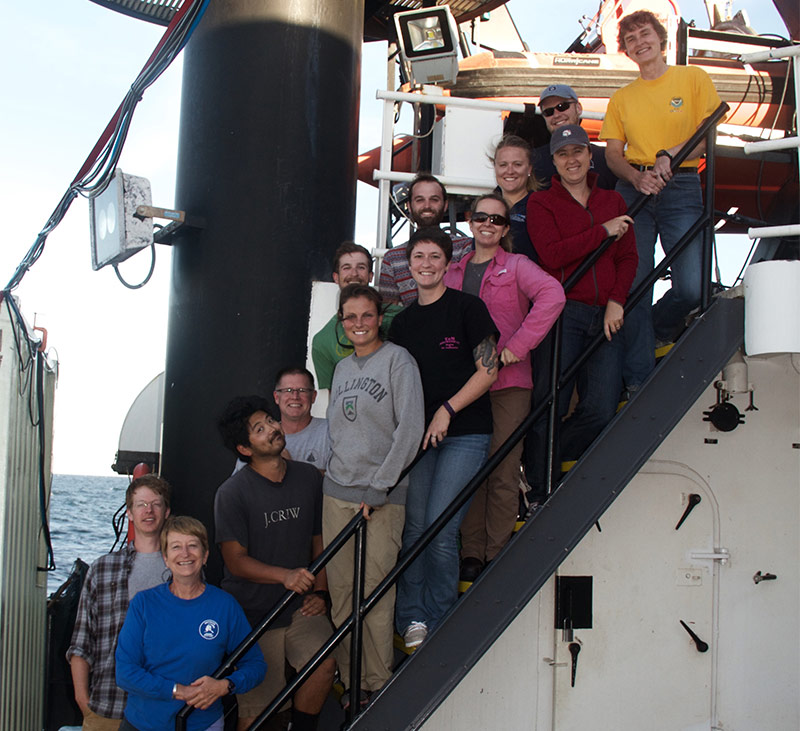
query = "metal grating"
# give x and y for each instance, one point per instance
(22, 587)
(155, 11)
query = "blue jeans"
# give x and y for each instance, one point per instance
(667, 216)
(429, 586)
(599, 382)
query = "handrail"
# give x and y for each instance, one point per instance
(362, 606)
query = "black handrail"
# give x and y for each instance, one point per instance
(357, 526)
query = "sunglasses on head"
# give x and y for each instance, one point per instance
(495, 218)
(561, 107)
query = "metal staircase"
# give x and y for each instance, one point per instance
(517, 574)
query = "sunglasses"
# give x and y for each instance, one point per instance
(495, 218)
(561, 107)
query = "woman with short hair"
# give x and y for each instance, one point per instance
(176, 635)
(453, 339)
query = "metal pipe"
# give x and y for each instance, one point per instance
(457, 101)
(709, 231)
(771, 54)
(359, 569)
(774, 232)
(551, 433)
(384, 186)
(784, 143)
(399, 177)
(448, 101)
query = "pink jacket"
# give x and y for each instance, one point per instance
(511, 283)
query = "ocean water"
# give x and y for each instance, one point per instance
(81, 512)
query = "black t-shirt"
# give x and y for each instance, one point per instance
(473, 276)
(275, 522)
(520, 239)
(441, 336)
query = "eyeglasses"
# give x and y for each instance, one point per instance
(495, 218)
(290, 391)
(142, 505)
(561, 107)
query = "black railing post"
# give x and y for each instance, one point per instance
(359, 572)
(709, 231)
(552, 432)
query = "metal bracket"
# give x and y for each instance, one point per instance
(718, 554)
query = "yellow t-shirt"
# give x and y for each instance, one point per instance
(654, 115)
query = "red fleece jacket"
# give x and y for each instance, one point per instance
(563, 232)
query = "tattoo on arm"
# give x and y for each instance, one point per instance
(485, 353)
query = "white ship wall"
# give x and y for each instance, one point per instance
(22, 587)
(637, 667)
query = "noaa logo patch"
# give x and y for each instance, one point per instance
(349, 407)
(676, 103)
(208, 629)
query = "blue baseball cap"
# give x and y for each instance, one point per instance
(568, 134)
(560, 90)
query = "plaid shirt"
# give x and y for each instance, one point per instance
(101, 612)
(396, 283)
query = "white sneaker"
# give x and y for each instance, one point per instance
(415, 634)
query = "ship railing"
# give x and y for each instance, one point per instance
(356, 528)
(785, 143)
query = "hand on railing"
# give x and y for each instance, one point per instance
(613, 318)
(298, 580)
(618, 227)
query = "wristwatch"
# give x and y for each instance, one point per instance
(663, 153)
(231, 686)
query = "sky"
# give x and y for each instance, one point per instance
(66, 66)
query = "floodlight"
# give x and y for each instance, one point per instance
(428, 43)
(117, 232)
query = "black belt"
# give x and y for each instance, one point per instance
(642, 168)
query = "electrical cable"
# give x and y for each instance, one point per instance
(149, 274)
(746, 262)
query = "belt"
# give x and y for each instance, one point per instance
(642, 168)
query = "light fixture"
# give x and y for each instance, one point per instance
(428, 40)
(116, 231)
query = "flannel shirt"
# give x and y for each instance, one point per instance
(101, 612)
(396, 283)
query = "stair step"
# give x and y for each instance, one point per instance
(663, 350)
(399, 643)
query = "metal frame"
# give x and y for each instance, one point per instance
(427, 95)
(787, 143)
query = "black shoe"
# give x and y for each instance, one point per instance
(470, 569)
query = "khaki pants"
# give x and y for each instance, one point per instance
(297, 644)
(384, 537)
(489, 522)
(93, 722)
